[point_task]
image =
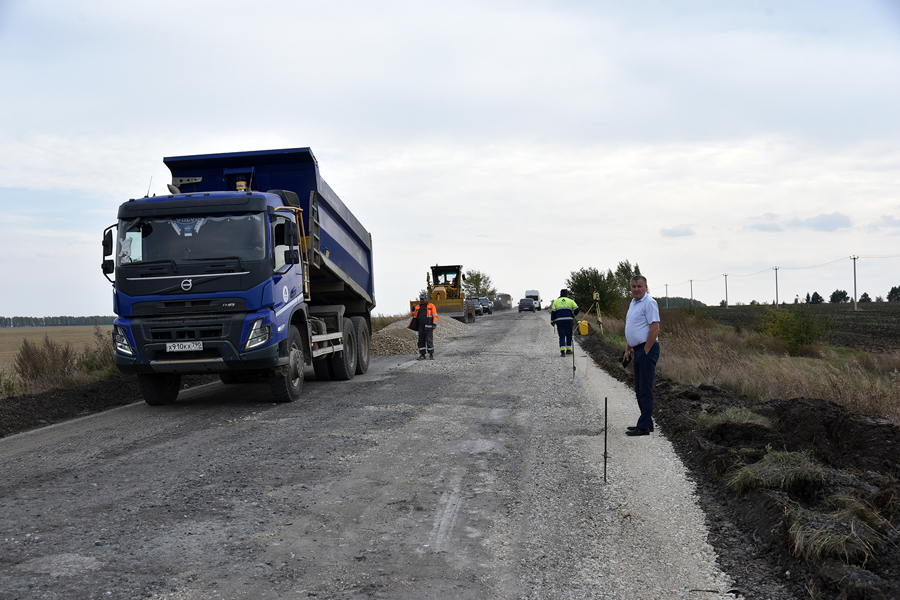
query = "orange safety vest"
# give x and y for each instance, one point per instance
(430, 311)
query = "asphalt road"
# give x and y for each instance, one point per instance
(477, 475)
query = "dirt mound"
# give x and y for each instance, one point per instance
(803, 530)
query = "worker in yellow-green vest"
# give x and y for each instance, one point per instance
(562, 315)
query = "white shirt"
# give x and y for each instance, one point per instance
(641, 314)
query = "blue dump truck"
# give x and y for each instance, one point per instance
(251, 269)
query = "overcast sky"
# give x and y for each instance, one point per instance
(525, 139)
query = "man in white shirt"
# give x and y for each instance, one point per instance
(641, 335)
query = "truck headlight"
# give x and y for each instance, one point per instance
(260, 333)
(120, 341)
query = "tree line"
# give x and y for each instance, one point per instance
(54, 321)
(613, 288)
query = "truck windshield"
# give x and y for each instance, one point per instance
(194, 237)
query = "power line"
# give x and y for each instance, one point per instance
(882, 256)
(834, 262)
(854, 258)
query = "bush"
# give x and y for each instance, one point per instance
(49, 364)
(45, 360)
(796, 327)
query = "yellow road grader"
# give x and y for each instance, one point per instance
(444, 286)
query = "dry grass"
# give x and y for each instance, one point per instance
(11, 339)
(699, 351)
(733, 415)
(851, 532)
(790, 471)
(45, 363)
(380, 321)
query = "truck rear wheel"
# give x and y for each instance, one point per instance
(323, 370)
(344, 362)
(286, 386)
(361, 329)
(159, 388)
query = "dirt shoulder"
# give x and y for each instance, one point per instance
(854, 492)
(29, 411)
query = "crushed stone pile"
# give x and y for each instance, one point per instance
(396, 339)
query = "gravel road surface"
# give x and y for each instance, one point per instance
(477, 475)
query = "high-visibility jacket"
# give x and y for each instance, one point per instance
(563, 309)
(429, 318)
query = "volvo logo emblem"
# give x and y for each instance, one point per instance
(186, 285)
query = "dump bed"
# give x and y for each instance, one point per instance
(340, 248)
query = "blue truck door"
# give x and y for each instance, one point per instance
(288, 281)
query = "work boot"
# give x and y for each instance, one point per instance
(431, 356)
(421, 357)
(562, 352)
(568, 352)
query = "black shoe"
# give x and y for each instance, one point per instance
(568, 352)
(633, 428)
(421, 357)
(638, 432)
(431, 357)
(562, 352)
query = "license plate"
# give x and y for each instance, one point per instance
(184, 346)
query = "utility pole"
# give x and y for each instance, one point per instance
(726, 289)
(692, 291)
(776, 286)
(667, 295)
(854, 257)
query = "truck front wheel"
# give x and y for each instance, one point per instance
(159, 388)
(344, 362)
(286, 384)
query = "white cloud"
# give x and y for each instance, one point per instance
(827, 223)
(679, 231)
(734, 137)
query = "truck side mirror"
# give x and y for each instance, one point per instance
(107, 243)
(292, 238)
(292, 257)
(108, 266)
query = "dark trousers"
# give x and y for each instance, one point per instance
(564, 329)
(426, 340)
(644, 374)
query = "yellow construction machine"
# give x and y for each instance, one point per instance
(444, 286)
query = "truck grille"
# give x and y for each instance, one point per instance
(181, 334)
(189, 307)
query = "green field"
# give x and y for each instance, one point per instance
(11, 339)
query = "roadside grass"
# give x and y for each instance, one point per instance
(789, 471)
(40, 363)
(380, 321)
(46, 364)
(851, 532)
(733, 415)
(697, 350)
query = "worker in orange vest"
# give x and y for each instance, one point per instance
(426, 314)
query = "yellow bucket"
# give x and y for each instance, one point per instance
(583, 327)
